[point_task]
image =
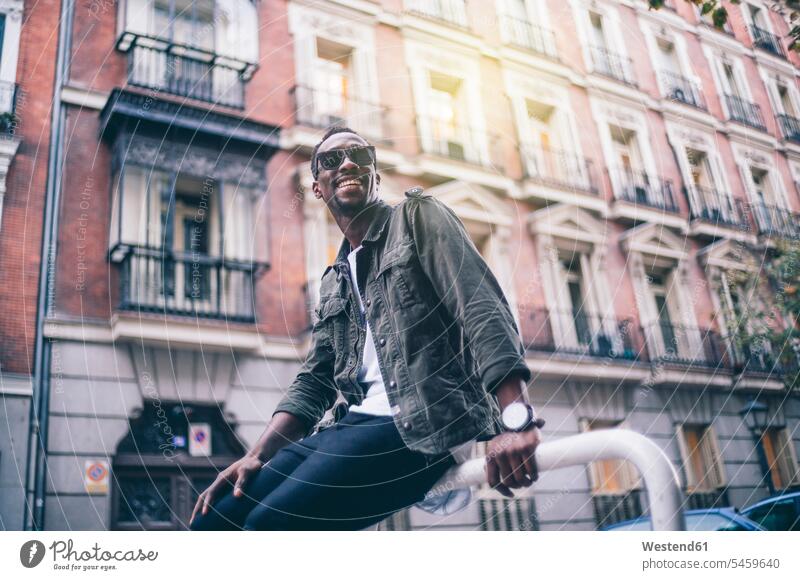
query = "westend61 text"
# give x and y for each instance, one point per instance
(65, 551)
(675, 547)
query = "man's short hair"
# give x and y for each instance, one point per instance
(328, 133)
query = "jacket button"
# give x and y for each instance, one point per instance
(407, 426)
(382, 342)
(369, 302)
(392, 384)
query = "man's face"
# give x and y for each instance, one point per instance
(349, 188)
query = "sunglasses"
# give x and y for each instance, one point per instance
(330, 160)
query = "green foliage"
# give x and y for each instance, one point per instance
(775, 330)
(788, 9)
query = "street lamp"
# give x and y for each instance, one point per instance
(754, 414)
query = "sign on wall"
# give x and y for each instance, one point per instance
(95, 476)
(199, 439)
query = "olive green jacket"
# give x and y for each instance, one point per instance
(443, 330)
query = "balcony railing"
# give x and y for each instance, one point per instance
(580, 333)
(772, 220)
(8, 105)
(187, 284)
(745, 112)
(790, 127)
(529, 36)
(457, 141)
(321, 109)
(680, 344)
(700, 500)
(682, 89)
(452, 12)
(767, 41)
(613, 508)
(561, 169)
(640, 188)
(715, 207)
(613, 65)
(187, 71)
(757, 357)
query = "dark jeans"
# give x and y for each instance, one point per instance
(347, 477)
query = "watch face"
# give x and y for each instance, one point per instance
(515, 416)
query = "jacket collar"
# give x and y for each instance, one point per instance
(382, 211)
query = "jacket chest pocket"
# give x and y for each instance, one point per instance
(397, 273)
(332, 314)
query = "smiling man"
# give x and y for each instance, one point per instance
(414, 333)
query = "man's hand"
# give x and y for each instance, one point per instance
(237, 473)
(510, 460)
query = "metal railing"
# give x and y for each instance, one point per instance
(617, 507)
(556, 168)
(773, 220)
(756, 355)
(186, 71)
(319, 108)
(687, 345)
(580, 333)
(662, 485)
(613, 65)
(790, 127)
(447, 11)
(698, 500)
(641, 188)
(767, 41)
(715, 207)
(524, 34)
(457, 141)
(681, 89)
(187, 284)
(745, 112)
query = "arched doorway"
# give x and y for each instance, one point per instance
(171, 453)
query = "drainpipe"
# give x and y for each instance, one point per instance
(36, 474)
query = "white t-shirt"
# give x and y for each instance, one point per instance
(376, 402)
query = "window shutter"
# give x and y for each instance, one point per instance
(238, 227)
(236, 30)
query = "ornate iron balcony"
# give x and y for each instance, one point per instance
(457, 141)
(613, 65)
(745, 112)
(613, 508)
(580, 333)
(453, 12)
(187, 71)
(767, 41)
(640, 188)
(186, 284)
(321, 109)
(526, 35)
(772, 220)
(681, 89)
(715, 207)
(680, 344)
(790, 127)
(561, 169)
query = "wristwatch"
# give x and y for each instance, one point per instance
(518, 417)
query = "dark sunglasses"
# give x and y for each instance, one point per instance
(330, 160)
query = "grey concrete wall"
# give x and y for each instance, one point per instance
(14, 421)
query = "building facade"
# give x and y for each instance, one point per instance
(621, 170)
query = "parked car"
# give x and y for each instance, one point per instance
(717, 519)
(776, 513)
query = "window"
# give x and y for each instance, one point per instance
(702, 464)
(782, 515)
(611, 476)
(782, 468)
(168, 237)
(333, 73)
(446, 110)
(187, 22)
